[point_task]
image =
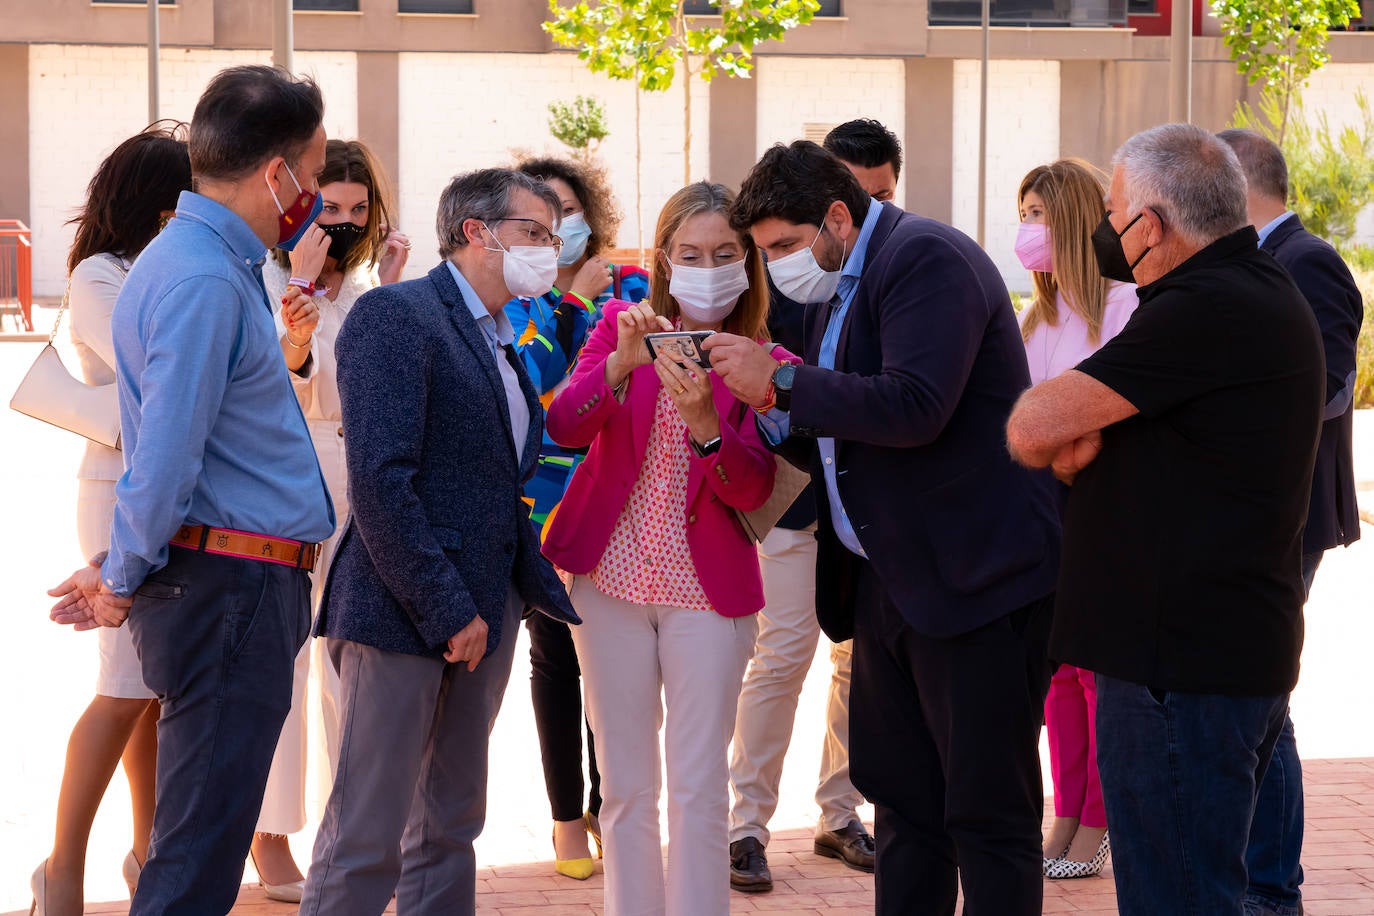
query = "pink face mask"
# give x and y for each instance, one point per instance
(1033, 247)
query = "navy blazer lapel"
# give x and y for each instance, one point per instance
(476, 340)
(888, 218)
(1282, 233)
(534, 436)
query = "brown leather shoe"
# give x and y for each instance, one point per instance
(851, 844)
(749, 867)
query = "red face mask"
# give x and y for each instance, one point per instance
(295, 219)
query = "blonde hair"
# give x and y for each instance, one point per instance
(750, 317)
(1073, 192)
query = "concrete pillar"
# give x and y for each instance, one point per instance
(733, 129)
(14, 132)
(928, 143)
(379, 119)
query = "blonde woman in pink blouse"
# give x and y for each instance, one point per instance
(1074, 312)
(664, 578)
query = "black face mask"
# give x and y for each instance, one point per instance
(1111, 257)
(342, 238)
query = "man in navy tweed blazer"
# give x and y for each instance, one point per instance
(438, 559)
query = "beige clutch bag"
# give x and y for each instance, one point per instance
(788, 483)
(49, 393)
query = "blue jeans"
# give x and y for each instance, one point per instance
(1273, 856)
(1180, 772)
(217, 638)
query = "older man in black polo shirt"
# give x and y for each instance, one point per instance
(1190, 440)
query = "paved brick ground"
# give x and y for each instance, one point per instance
(1338, 858)
(46, 676)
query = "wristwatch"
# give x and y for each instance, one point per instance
(782, 385)
(709, 447)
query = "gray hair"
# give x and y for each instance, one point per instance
(1266, 171)
(1186, 175)
(486, 195)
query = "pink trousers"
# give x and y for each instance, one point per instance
(1071, 721)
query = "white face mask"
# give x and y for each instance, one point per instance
(799, 277)
(574, 232)
(707, 295)
(529, 270)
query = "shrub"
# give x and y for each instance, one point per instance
(1364, 348)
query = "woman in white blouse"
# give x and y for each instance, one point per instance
(350, 250)
(130, 198)
(1075, 311)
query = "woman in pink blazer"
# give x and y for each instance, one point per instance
(664, 577)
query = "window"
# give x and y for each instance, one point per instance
(816, 133)
(435, 6)
(706, 8)
(1142, 7)
(1052, 13)
(325, 6)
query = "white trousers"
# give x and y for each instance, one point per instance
(283, 805)
(634, 657)
(788, 632)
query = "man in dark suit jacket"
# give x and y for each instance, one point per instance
(438, 561)
(1332, 516)
(937, 554)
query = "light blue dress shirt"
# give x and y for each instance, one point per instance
(212, 432)
(500, 334)
(1272, 225)
(778, 423)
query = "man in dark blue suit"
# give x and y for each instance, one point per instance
(439, 557)
(937, 554)
(1332, 516)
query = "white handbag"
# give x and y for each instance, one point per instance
(49, 393)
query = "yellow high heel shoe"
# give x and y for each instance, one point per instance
(578, 869)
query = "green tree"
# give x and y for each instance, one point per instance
(646, 40)
(1281, 42)
(1330, 172)
(580, 125)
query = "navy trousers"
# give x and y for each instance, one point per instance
(217, 638)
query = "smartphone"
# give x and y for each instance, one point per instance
(686, 344)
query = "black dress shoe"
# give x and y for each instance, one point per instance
(749, 867)
(851, 844)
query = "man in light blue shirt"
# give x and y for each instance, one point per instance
(222, 504)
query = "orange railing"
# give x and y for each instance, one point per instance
(16, 273)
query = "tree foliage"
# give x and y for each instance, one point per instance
(1281, 42)
(1330, 172)
(646, 40)
(580, 125)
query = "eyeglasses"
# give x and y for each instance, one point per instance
(533, 232)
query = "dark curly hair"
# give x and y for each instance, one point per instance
(593, 190)
(130, 191)
(797, 183)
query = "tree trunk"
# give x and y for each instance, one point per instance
(639, 192)
(686, 120)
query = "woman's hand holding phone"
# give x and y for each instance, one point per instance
(689, 386)
(630, 351)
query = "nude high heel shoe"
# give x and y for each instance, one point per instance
(39, 885)
(132, 872)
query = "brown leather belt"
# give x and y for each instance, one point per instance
(227, 542)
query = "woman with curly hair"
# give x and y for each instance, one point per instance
(550, 331)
